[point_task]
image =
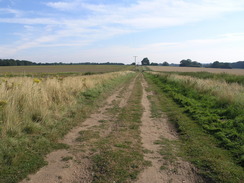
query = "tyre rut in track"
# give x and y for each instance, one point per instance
(153, 130)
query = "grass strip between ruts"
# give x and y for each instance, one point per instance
(120, 155)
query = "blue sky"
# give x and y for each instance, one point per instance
(117, 30)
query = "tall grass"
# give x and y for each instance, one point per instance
(230, 93)
(27, 102)
(229, 78)
(227, 92)
(197, 69)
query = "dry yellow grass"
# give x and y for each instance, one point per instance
(196, 69)
(24, 99)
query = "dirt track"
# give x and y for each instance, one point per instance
(74, 164)
(152, 129)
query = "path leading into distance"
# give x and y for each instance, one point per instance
(74, 164)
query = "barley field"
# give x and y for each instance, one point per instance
(196, 69)
(61, 69)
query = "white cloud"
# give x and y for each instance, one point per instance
(146, 14)
(77, 5)
(30, 21)
(223, 39)
(143, 15)
(153, 13)
(15, 12)
(63, 6)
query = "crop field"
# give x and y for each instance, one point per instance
(196, 69)
(125, 126)
(61, 69)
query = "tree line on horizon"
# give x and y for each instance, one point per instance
(190, 63)
(13, 62)
(145, 61)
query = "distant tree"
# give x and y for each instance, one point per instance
(239, 64)
(133, 63)
(145, 61)
(189, 63)
(165, 64)
(154, 64)
(195, 64)
(216, 64)
(185, 63)
(174, 65)
(222, 65)
(12, 62)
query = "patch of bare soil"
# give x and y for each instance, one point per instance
(152, 130)
(73, 165)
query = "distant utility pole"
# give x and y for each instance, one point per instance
(135, 60)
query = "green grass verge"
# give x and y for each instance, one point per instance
(223, 120)
(120, 155)
(201, 148)
(22, 155)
